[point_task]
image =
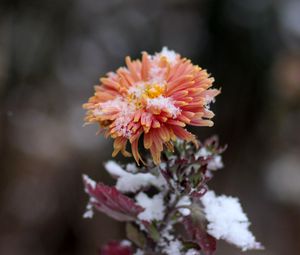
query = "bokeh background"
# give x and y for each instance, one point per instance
(52, 52)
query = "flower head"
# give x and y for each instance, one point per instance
(156, 97)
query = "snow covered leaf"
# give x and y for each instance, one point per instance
(117, 248)
(197, 233)
(110, 201)
(132, 182)
(227, 221)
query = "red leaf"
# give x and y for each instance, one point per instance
(197, 233)
(116, 248)
(110, 201)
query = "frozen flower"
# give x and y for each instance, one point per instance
(156, 96)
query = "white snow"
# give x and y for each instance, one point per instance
(170, 55)
(174, 248)
(138, 89)
(89, 181)
(89, 213)
(184, 201)
(131, 182)
(192, 252)
(131, 167)
(123, 120)
(125, 114)
(163, 103)
(125, 243)
(203, 152)
(216, 163)
(154, 207)
(139, 252)
(157, 74)
(169, 244)
(226, 220)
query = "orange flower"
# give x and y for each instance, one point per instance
(155, 97)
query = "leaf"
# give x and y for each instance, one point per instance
(135, 235)
(110, 201)
(116, 248)
(196, 232)
(153, 232)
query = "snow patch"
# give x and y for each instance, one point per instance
(203, 153)
(125, 113)
(139, 252)
(88, 181)
(192, 252)
(154, 207)
(164, 103)
(226, 220)
(170, 55)
(184, 201)
(131, 182)
(174, 248)
(216, 163)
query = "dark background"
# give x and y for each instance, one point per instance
(52, 52)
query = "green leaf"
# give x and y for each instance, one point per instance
(135, 235)
(154, 233)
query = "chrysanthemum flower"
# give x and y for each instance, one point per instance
(156, 97)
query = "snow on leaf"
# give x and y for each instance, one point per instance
(227, 221)
(154, 207)
(110, 201)
(132, 182)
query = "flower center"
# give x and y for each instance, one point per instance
(154, 90)
(139, 94)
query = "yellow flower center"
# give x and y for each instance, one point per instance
(142, 93)
(153, 90)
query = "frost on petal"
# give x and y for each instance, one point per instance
(132, 182)
(164, 103)
(154, 207)
(170, 55)
(110, 201)
(226, 220)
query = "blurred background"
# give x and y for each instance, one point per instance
(52, 52)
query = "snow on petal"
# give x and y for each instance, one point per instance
(163, 103)
(170, 55)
